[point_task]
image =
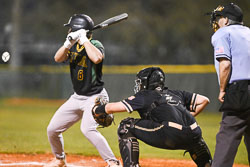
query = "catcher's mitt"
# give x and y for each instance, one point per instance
(101, 117)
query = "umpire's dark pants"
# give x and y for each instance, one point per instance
(235, 124)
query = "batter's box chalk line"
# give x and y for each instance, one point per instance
(34, 164)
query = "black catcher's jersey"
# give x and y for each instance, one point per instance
(85, 75)
(168, 105)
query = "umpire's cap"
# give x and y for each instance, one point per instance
(231, 11)
(80, 21)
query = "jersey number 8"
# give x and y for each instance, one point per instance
(80, 75)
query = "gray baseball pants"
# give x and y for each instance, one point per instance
(74, 109)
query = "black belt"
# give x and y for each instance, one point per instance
(239, 82)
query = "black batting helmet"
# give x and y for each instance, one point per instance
(149, 78)
(80, 21)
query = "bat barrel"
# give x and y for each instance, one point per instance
(111, 21)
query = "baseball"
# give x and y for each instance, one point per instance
(6, 56)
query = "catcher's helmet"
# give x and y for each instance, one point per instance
(80, 21)
(149, 78)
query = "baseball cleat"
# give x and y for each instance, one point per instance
(56, 163)
(114, 163)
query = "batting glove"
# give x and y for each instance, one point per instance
(83, 38)
(71, 39)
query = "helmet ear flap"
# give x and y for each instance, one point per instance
(156, 79)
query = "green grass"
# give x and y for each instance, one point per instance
(23, 126)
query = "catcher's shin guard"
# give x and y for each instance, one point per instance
(128, 144)
(129, 149)
(200, 154)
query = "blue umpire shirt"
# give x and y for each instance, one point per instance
(233, 42)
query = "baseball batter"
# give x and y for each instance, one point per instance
(167, 119)
(85, 57)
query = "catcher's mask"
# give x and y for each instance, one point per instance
(232, 11)
(80, 21)
(149, 78)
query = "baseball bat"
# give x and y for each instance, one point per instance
(108, 22)
(111, 21)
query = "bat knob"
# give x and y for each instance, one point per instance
(70, 38)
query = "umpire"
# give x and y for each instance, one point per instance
(167, 119)
(231, 42)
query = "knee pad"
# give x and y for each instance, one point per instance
(128, 144)
(200, 153)
(125, 126)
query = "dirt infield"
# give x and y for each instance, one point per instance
(35, 160)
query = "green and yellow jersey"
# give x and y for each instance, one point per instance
(85, 75)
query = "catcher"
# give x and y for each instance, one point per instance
(167, 119)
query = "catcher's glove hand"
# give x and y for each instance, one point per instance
(99, 114)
